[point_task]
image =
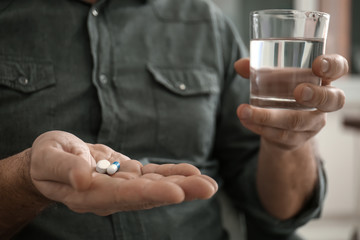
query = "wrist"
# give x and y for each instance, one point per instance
(20, 201)
(29, 188)
(286, 178)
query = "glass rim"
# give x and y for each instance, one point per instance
(290, 12)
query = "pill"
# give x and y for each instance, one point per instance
(102, 165)
(113, 168)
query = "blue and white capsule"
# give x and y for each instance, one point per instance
(113, 168)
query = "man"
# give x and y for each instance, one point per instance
(153, 80)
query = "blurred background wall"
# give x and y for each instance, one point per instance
(339, 141)
(344, 31)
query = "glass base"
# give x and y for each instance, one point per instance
(280, 103)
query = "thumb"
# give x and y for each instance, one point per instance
(242, 67)
(61, 167)
(80, 177)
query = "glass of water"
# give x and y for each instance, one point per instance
(283, 46)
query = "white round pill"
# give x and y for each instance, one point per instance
(102, 165)
(112, 169)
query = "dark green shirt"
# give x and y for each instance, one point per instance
(153, 80)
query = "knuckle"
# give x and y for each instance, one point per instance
(115, 156)
(43, 151)
(342, 65)
(283, 136)
(264, 118)
(134, 164)
(293, 142)
(323, 98)
(287, 139)
(331, 99)
(296, 121)
(100, 147)
(339, 66)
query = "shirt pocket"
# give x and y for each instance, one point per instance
(25, 75)
(186, 102)
(26, 101)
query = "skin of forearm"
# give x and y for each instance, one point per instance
(20, 201)
(286, 178)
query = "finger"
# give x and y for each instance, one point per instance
(284, 138)
(100, 151)
(152, 176)
(132, 166)
(212, 181)
(63, 167)
(242, 67)
(184, 169)
(157, 192)
(197, 187)
(125, 175)
(149, 168)
(324, 98)
(330, 67)
(180, 178)
(255, 118)
(173, 178)
(112, 195)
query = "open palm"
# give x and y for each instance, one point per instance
(63, 170)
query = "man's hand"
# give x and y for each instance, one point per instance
(63, 170)
(291, 129)
(287, 166)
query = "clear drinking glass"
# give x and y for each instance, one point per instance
(283, 46)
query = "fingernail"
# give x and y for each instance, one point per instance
(307, 94)
(246, 113)
(325, 65)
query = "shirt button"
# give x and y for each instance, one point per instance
(182, 86)
(103, 79)
(95, 12)
(23, 80)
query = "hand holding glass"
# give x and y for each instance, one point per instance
(283, 45)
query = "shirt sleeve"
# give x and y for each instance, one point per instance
(236, 148)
